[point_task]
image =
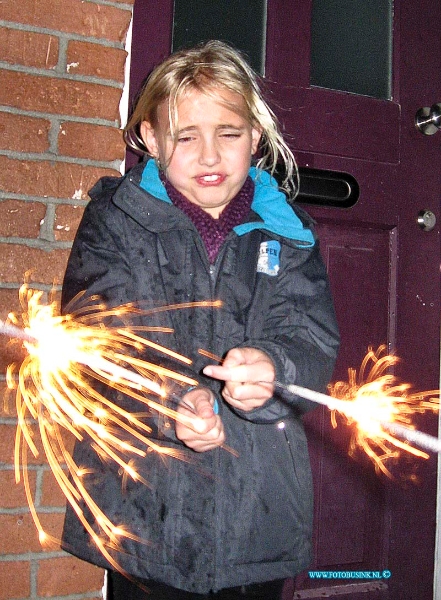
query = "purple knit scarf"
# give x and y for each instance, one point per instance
(214, 231)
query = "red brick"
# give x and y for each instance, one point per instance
(12, 494)
(9, 302)
(23, 134)
(21, 219)
(20, 535)
(47, 267)
(7, 440)
(86, 58)
(7, 445)
(83, 18)
(28, 48)
(57, 95)
(95, 142)
(42, 178)
(67, 219)
(52, 494)
(15, 578)
(65, 576)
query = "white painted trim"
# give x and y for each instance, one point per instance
(437, 569)
(124, 102)
(105, 588)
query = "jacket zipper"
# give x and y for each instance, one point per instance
(214, 270)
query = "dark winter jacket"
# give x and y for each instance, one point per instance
(220, 518)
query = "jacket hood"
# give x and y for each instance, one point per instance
(269, 203)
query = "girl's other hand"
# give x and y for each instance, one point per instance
(205, 430)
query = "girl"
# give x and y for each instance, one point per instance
(195, 221)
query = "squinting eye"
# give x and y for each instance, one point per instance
(185, 139)
(231, 135)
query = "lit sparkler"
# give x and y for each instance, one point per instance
(54, 388)
(380, 408)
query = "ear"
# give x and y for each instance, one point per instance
(256, 134)
(149, 138)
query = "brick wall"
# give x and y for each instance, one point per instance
(62, 73)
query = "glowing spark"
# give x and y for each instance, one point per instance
(54, 389)
(380, 408)
(210, 355)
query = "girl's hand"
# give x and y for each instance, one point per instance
(244, 370)
(205, 430)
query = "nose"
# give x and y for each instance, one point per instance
(209, 152)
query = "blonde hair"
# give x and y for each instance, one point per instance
(209, 68)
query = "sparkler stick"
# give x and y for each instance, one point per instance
(423, 440)
(351, 409)
(97, 363)
(13, 331)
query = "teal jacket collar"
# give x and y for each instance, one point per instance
(269, 203)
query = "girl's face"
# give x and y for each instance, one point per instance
(214, 147)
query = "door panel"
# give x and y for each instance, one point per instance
(384, 273)
(328, 122)
(363, 264)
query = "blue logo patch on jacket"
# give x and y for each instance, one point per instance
(269, 258)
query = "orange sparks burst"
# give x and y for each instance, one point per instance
(53, 388)
(377, 399)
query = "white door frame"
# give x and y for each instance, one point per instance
(437, 568)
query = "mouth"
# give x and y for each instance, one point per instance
(210, 179)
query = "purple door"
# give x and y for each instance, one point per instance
(383, 262)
